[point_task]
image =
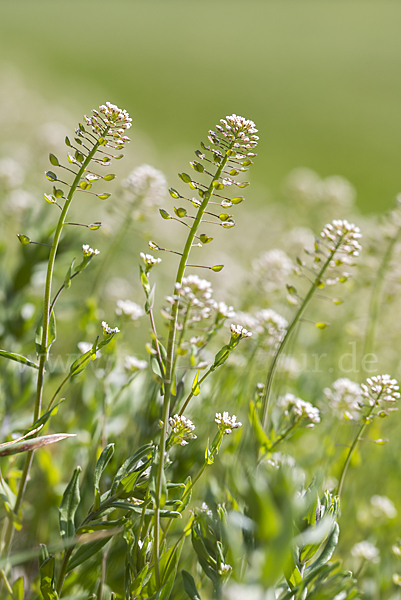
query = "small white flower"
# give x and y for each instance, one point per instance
(88, 251)
(227, 423)
(224, 569)
(239, 331)
(108, 330)
(367, 551)
(11, 173)
(381, 388)
(149, 260)
(227, 312)
(183, 429)
(132, 364)
(129, 309)
(299, 409)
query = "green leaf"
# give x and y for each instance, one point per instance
(265, 443)
(18, 358)
(327, 551)
(54, 160)
(195, 385)
(217, 268)
(83, 361)
(24, 239)
(67, 142)
(27, 445)
(51, 176)
(86, 551)
(69, 505)
(189, 586)
(185, 177)
(137, 584)
(18, 588)
(187, 496)
(67, 279)
(150, 300)
(100, 526)
(131, 464)
(47, 586)
(45, 417)
(102, 463)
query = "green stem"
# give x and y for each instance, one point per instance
(190, 396)
(43, 354)
(170, 356)
(292, 326)
(63, 570)
(352, 449)
(375, 297)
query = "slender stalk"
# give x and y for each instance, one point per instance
(292, 326)
(44, 341)
(352, 449)
(375, 297)
(191, 394)
(169, 375)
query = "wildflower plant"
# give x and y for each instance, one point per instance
(161, 437)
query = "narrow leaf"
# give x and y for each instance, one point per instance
(69, 505)
(189, 586)
(28, 445)
(18, 358)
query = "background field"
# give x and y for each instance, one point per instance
(322, 80)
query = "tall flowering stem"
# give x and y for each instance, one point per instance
(231, 153)
(340, 241)
(107, 127)
(377, 390)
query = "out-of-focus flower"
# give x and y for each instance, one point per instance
(146, 184)
(345, 398)
(367, 551)
(129, 309)
(382, 507)
(299, 410)
(11, 173)
(132, 364)
(272, 270)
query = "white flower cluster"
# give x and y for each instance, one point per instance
(132, 364)
(147, 184)
(381, 387)
(224, 569)
(345, 398)
(235, 126)
(227, 423)
(298, 409)
(224, 311)
(149, 260)
(88, 251)
(272, 323)
(272, 270)
(342, 237)
(182, 428)
(109, 330)
(110, 122)
(195, 293)
(367, 551)
(129, 309)
(239, 331)
(382, 507)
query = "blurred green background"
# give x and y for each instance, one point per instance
(321, 79)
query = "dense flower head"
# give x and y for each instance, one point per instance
(108, 123)
(88, 251)
(224, 311)
(182, 428)
(342, 237)
(132, 364)
(109, 330)
(345, 398)
(114, 115)
(298, 409)
(147, 184)
(129, 309)
(227, 423)
(381, 387)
